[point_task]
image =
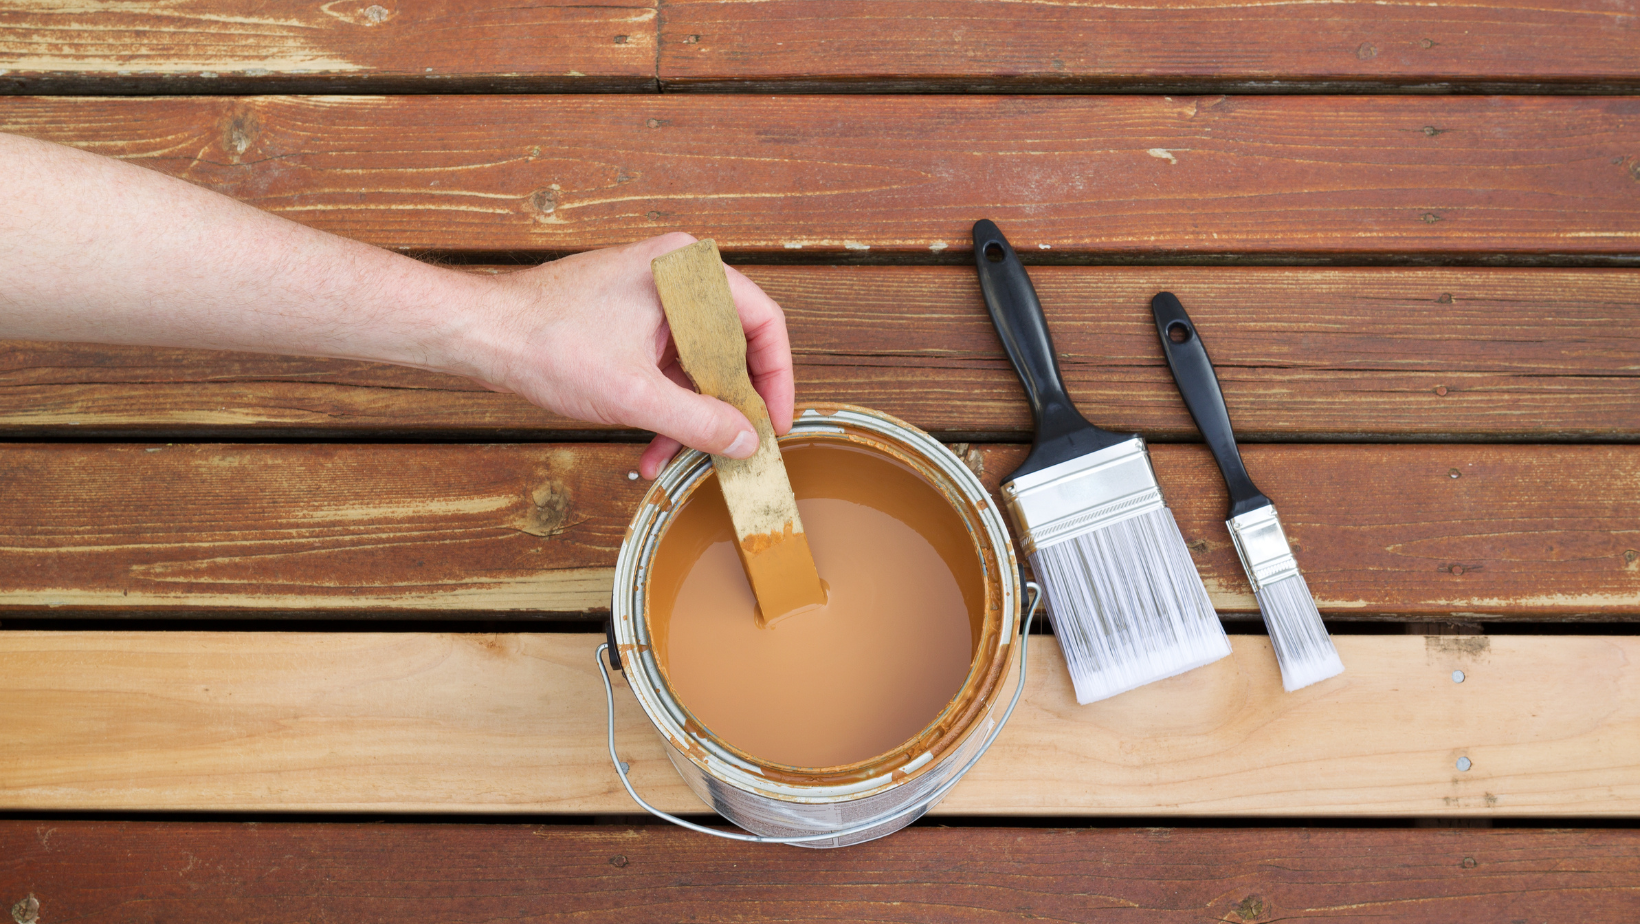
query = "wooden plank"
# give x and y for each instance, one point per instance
(91, 871)
(1114, 178)
(303, 528)
(1535, 354)
(1382, 531)
(1083, 45)
(407, 722)
(205, 46)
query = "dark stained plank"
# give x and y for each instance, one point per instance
(1301, 354)
(90, 871)
(1390, 531)
(208, 46)
(315, 527)
(1127, 178)
(1179, 46)
(1382, 531)
(1474, 354)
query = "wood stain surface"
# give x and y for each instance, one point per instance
(846, 682)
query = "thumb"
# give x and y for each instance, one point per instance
(695, 420)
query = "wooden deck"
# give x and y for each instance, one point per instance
(274, 873)
(285, 639)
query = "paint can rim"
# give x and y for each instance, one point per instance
(976, 698)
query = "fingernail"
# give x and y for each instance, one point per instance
(744, 445)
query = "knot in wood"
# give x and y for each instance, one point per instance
(239, 132)
(544, 201)
(1249, 908)
(547, 512)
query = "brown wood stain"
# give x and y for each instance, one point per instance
(840, 684)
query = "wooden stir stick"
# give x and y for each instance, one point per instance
(694, 291)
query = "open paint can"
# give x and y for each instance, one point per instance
(839, 726)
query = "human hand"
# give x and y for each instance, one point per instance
(585, 336)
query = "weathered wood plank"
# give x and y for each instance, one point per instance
(206, 46)
(1382, 531)
(1082, 45)
(388, 722)
(1121, 178)
(315, 527)
(276, 872)
(1538, 354)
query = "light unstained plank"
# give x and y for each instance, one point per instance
(1527, 354)
(515, 723)
(201, 46)
(1120, 177)
(90, 871)
(1381, 531)
(1078, 45)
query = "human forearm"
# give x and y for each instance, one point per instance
(96, 250)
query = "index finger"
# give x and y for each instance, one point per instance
(768, 348)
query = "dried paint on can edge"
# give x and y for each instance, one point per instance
(780, 800)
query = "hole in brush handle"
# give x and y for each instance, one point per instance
(1062, 433)
(1199, 386)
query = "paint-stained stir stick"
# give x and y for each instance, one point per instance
(694, 291)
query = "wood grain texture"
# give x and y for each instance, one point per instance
(1521, 354)
(208, 46)
(389, 722)
(305, 528)
(1078, 45)
(1117, 178)
(274, 872)
(1381, 531)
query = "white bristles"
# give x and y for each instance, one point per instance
(1303, 648)
(1128, 606)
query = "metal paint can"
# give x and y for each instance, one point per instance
(860, 801)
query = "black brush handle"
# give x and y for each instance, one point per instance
(1193, 372)
(1061, 431)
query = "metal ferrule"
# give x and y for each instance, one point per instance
(1083, 494)
(1262, 545)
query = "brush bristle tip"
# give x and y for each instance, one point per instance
(1303, 648)
(1128, 606)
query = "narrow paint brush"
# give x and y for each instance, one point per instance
(1126, 601)
(1303, 648)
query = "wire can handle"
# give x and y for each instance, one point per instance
(921, 805)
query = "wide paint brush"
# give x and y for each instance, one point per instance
(711, 345)
(1303, 648)
(1127, 603)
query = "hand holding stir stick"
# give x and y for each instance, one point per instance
(711, 347)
